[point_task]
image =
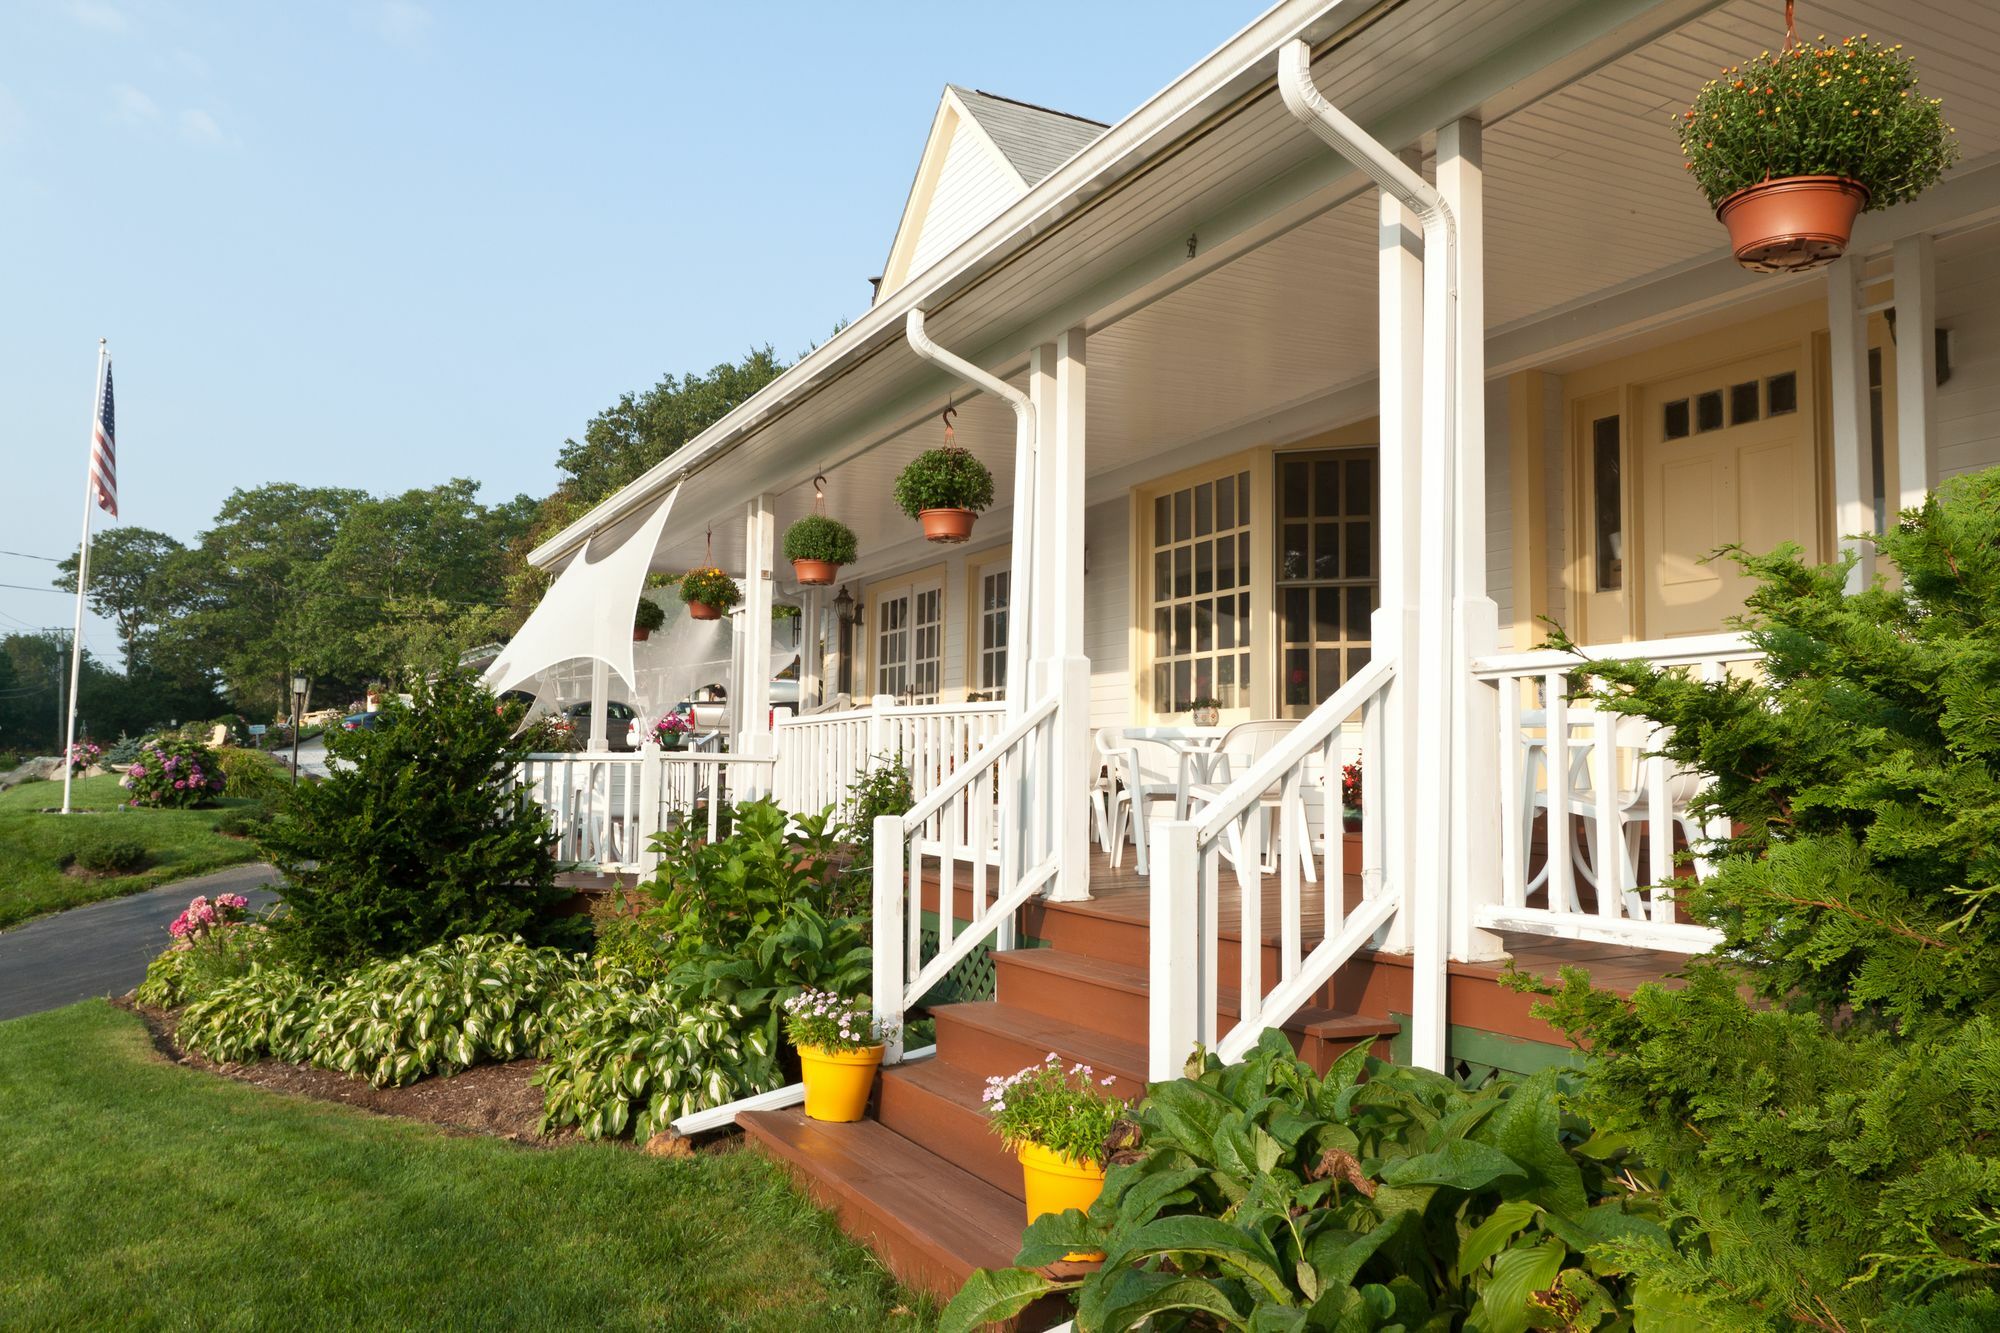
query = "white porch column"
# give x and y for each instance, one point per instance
(760, 535)
(600, 691)
(1475, 801)
(812, 645)
(1916, 369)
(1853, 480)
(1390, 776)
(1059, 570)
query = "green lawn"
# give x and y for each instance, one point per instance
(182, 842)
(140, 1194)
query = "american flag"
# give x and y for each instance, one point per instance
(104, 451)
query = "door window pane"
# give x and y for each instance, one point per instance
(1200, 619)
(1326, 586)
(1608, 503)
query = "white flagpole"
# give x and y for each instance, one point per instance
(82, 571)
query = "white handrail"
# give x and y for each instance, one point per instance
(1694, 649)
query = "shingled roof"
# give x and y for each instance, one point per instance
(1034, 139)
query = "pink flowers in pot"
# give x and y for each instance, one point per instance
(82, 755)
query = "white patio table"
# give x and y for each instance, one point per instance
(1196, 747)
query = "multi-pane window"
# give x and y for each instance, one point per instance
(1200, 594)
(909, 643)
(1327, 582)
(1608, 503)
(990, 663)
(1746, 402)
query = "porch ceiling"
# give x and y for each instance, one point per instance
(1585, 195)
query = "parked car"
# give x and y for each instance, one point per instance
(618, 720)
(360, 721)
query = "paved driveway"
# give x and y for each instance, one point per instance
(103, 948)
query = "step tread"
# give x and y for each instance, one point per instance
(1135, 980)
(944, 1080)
(1104, 1053)
(924, 1203)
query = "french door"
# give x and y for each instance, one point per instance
(909, 642)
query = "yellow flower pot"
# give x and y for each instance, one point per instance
(1055, 1184)
(837, 1082)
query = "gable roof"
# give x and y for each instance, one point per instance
(983, 153)
(1033, 139)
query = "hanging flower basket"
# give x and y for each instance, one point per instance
(944, 489)
(1791, 147)
(709, 593)
(818, 546)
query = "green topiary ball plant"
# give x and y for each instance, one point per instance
(817, 537)
(945, 478)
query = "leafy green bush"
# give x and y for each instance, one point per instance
(468, 1001)
(1261, 1196)
(1819, 110)
(415, 836)
(631, 1056)
(253, 774)
(249, 822)
(112, 856)
(723, 892)
(172, 773)
(817, 537)
(711, 587)
(804, 950)
(946, 478)
(1822, 1096)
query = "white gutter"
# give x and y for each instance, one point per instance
(1118, 152)
(1026, 464)
(1429, 666)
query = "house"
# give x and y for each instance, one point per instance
(1318, 383)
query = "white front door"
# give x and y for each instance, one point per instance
(1726, 458)
(909, 642)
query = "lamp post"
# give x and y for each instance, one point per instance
(299, 684)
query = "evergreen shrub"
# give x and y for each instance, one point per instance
(1819, 1103)
(414, 836)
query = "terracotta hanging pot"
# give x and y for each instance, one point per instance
(947, 525)
(641, 635)
(816, 573)
(1792, 223)
(703, 611)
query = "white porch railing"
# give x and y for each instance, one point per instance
(983, 817)
(606, 806)
(1300, 772)
(821, 755)
(1578, 769)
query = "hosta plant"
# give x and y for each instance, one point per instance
(1849, 109)
(1262, 1196)
(629, 1056)
(213, 943)
(1064, 1110)
(711, 587)
(267, 1013)
(468, 1001)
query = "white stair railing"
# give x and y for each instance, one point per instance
(1298, 778)
(1575, 768)
(982, 818)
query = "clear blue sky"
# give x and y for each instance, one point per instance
(383, 243)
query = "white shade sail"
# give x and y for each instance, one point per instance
(588, 611)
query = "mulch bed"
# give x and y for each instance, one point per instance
(495, 1100)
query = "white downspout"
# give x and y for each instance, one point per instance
(1018, 653)
(1426, 664)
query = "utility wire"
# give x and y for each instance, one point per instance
(26, 556)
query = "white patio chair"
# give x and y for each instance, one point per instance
(1590, 771)
(1242, 746)
(1149, 772)
(1107, 799)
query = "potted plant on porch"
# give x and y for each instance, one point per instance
(840, 1048)
(818, 546)
(646, 617)
(670, 730)
(709, 593)
(1057, 1122)
(1790, 147)
(1205, 710)
(944, 489)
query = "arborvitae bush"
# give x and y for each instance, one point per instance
(413, 837)
(1820, 1103)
